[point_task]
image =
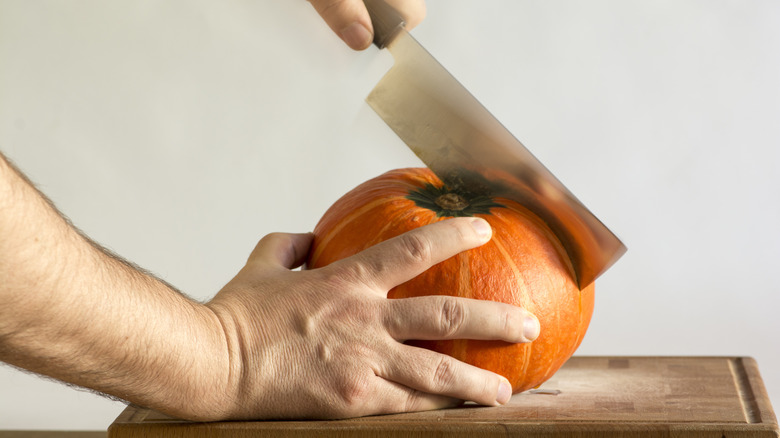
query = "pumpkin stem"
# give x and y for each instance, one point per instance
(452, 201)
(445, 202)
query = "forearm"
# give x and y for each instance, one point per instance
(320, 343)
(71, 311)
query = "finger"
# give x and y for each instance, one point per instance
(348, 19)
(282, 250)
(444, 317)
(400, 398)
(439, 374)
(413, 11)
(391, 397)
(402, 258)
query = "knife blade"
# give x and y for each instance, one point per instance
(471, 151)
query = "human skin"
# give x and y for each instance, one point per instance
(350, 21)
(273, 343)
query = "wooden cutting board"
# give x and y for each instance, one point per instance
(589, 397)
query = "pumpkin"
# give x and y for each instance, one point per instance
(524, 264)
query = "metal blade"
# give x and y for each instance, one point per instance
(469, 150)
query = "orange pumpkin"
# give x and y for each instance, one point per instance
(523, 264)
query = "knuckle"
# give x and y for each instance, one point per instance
(463, 231)
(354, 393)
(444, 374)
(361, 270)
(417, 247)
(332, 277)
(345, 275)
(460, 229)
(393, 316)
(413, 401)
(452, 317)
(509, 321)
(514, 324)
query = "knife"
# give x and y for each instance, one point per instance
(471, 151)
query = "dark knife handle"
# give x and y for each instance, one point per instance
(386, 21)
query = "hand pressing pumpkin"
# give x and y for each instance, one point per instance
(524, 264)
(328, 343)
(273, 343)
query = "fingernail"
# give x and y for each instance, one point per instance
(531, 327)
(481, 227)
(356, 36)
(504, 392)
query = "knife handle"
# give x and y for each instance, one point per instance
(386, 21)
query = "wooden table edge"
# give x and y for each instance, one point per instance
(53, 434)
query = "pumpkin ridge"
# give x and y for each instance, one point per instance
(353, 215)
(466, 287)
(381, 233)
(521, 281)
(543, 228)
(528, 351)
(585, 316)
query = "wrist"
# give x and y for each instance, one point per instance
(216, 383)
(205, 388)
(251, 369)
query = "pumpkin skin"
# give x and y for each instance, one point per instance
(524, 264)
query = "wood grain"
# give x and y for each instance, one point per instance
(52, 434)
(589, 397)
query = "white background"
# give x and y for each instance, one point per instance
(177, 133)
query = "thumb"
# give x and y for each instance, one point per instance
(282, 250)
(349, 20)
